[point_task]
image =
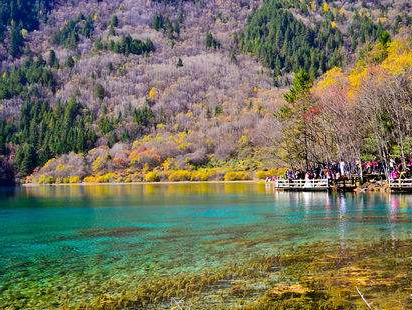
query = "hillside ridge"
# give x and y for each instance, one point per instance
(182, 84)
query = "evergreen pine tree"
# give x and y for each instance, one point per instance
(99, 91)
(301, 84)
(26, 159)
(70, 62)
(115, 21)
(52, 59)
(16, 40)
(179, 63)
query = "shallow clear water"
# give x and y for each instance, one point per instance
(57, 242)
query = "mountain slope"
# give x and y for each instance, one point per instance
(158, 82)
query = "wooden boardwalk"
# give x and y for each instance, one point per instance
(314, 185)
(401, 185)
(302, 185)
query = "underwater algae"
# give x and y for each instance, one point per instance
(317, 275)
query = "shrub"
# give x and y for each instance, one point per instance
(237, 176)
(60, 180)
(207, 174)
(201, 175)
(152, 176)
(180, 175)
(107, 178)
(74, 179)
(46, 179)
(261, 175)
(90, 179)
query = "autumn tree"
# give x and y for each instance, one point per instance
(388, 110)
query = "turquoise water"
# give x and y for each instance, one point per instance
(68, 242)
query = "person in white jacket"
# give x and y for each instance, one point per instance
(342, 167)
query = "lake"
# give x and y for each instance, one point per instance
(71, 245)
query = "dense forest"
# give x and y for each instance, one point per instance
(194, 90)
(285, 44)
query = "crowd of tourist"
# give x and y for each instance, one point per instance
(340, 170)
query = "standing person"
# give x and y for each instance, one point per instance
(308, 182)
(342, 168)
(359, 169)
(391, 164)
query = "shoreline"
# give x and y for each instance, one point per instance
(361, 189)
(145, 183)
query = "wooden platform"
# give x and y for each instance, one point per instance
(314, 185)
(302, 185)
(401, 185)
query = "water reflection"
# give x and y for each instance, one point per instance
(105, 190)
(345, 215)
(342, 222)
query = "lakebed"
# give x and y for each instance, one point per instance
(202, 246)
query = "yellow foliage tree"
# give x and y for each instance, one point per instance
(313, 6)
(60, 168)
(24, 33)
(98, 164)
(49, 162)
(180, 175)
(356, 77)
(152, 94)
(244, 140)
(329, 78)
(237, 176)
(399, 57)
(46, 179)
(169, 164)
(160, 126)
(106, 178)
(90, 179)
(325, 7)
(152, 176)
(74, 179)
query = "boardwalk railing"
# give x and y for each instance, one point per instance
(400, 183)
(296, 184)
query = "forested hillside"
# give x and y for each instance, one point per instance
(129, 90)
